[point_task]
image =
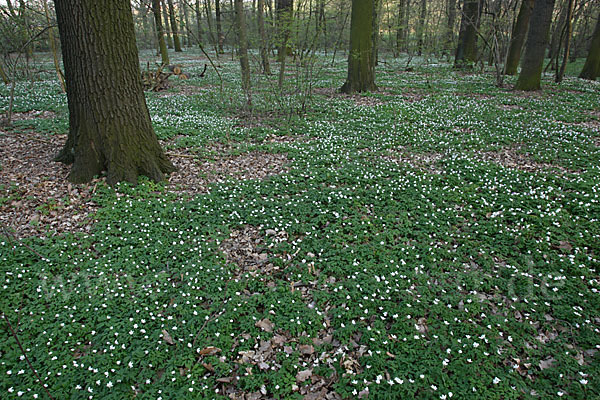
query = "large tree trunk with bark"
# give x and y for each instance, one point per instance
(361, 65)
(160, 32)
(109, 123)
(517, 39)
(591, 69)
(537, 41)
(466, 51)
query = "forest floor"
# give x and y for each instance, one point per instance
(436, 239)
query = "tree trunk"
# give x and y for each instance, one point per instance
(466, 51)
(220, 37)
(198, 24)
(401, 28)
(4, 76)
(556, 34)
(568, 31)
(210, 26)
(519, 34)
(264, 56)
(361, 66)
(591, 69)
(421, 27)
(168, 30)
(450, 27)
(285, 14)
(243, 41)
(160, 32)
(186, 19)
(537, 42)
(109, 123)
(173, 17)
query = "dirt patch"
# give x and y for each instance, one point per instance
(359, 100)
(513, 157)
(422, 161)
(413, 96)
(34, 114)
(194, 174)
(183, 89)
(35, 197)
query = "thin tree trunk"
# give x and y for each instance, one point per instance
(361, 65)
(591, 68)
(537, 42)
(210, 26)
(421, 27)
(264, 56)
(186, 19)
(220, 37)
(198, 24)
(109, 123)
(160, 32)
(517, 40)
(59, 73)
(400, 28)
(285, 15)
(168, 31)
(243, 41)
(568, 31)
(450, 27)
(556, 34)
(4, 76)
(173, 17)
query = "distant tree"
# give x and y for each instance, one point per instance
(160, 31)
(466, 50)
(285, 13)
(421, 27)
(451, 8)
(401, 28)
(168, 30)
(361, 65)
(517, 40)
(220, 36)
(591, 69)
(264, 48)
(173, 19)
(109, 123)
(243, 43)
(537, 42)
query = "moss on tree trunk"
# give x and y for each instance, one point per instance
(537, 41)
(591, 68)
(361, 64)
(109, 123)
(160, 32)
(517, 40)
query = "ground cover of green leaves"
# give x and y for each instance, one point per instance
(444, 232)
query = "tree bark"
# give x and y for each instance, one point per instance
(168, 30)
(466, 51)
(243, 41)
(285, 14)
(450, 27)
(220, 37)
(173, 17)
(568, 31)
(109, 123)
(421, 27)
(264, 56)
(361, 65)
(401, 28)
(160, 32)
(198, 24)
(517, 40)
(537, 41)
(591, 68)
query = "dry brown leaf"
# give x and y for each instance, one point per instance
(265, 324)
(168, 339)
(209, 351)
(301, 376)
